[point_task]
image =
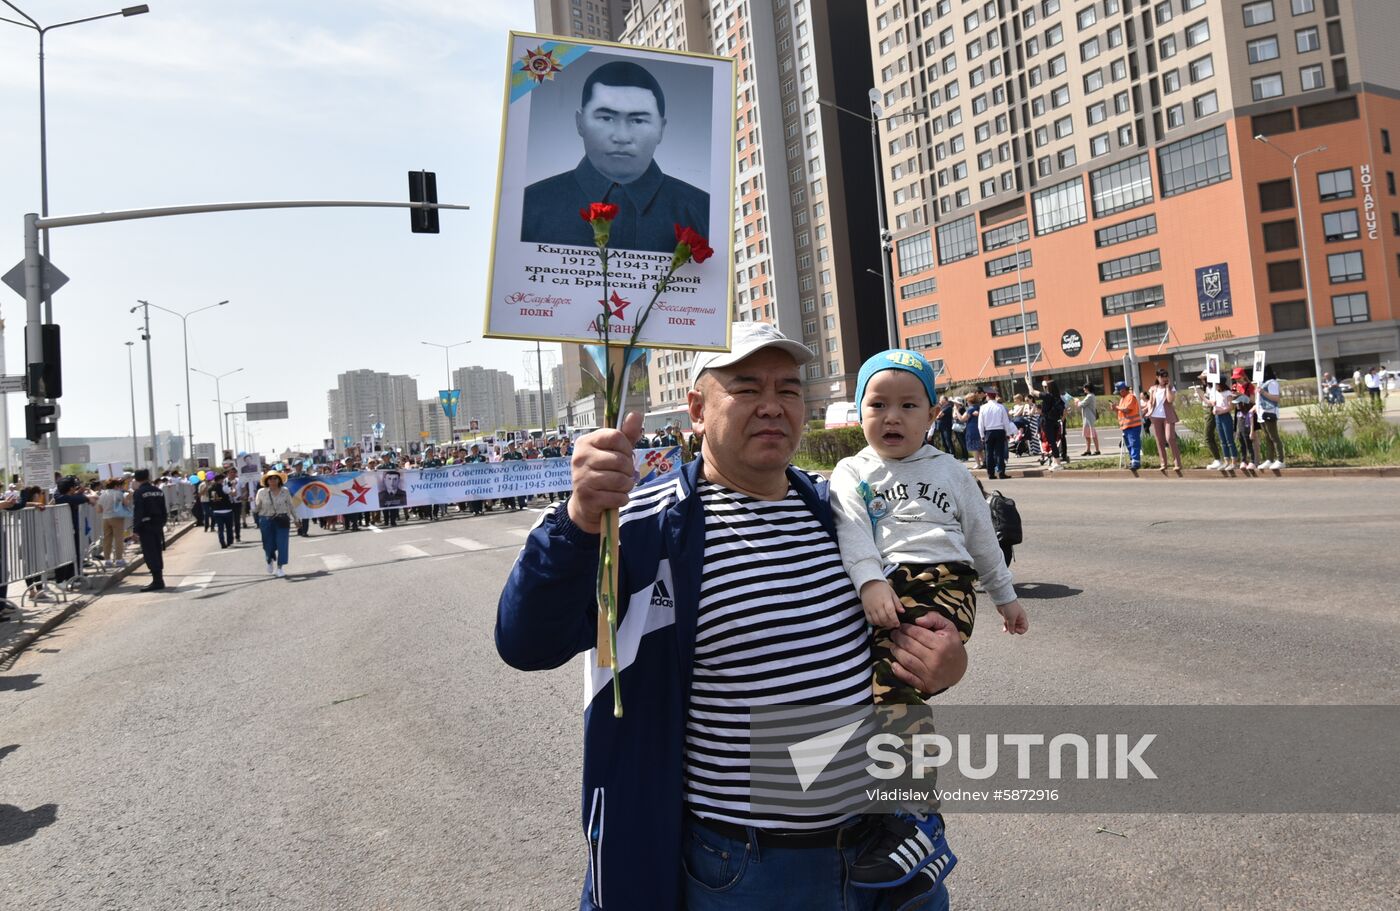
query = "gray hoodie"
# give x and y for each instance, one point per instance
(924, 508)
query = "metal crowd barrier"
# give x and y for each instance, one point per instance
(179, 500)
(36, 543)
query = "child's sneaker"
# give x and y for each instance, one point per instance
(912, 894)
(905, 845)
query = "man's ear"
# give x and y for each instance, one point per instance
(578, 122)
(695, 405)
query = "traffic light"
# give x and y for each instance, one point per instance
(36, 422)
(46, 377)
(422, 187)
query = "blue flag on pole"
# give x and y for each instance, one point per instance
(449, 398)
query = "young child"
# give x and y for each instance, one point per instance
(915, 534)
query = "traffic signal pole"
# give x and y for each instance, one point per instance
(33, 289)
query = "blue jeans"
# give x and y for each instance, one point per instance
(223, 523)
(274, 540)
(995, 442)
(1132, 439)
(945, 439)
(724, 873)
(1225, 430)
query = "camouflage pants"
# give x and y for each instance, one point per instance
(943, 588)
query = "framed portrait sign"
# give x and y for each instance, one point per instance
(1212, 368)
(649, 131)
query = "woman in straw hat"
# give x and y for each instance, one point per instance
(274, 509)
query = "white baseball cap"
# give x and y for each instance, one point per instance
(746, 339)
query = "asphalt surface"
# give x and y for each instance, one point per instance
(346, 738)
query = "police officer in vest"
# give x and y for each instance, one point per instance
(148, 518)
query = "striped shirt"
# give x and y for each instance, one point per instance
(779, 624)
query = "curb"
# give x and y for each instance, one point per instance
(1201, 474)
(9, 651)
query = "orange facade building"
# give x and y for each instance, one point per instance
(1175, 219)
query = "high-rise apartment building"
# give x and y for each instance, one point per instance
(1058, 171)
(600, 19)
(365, 397)
(432, 419)
(806, 246)
(488, 396)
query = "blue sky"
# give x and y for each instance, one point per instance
(202, 101)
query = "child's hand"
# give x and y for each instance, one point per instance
(1013, 617)
(882, 606)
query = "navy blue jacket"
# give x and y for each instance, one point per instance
(649, 208)
(633, 766)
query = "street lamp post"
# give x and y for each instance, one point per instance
(131, 380)
(150, 379)
(1021, 299)
(42, 31)
(218, 392)
(886, 239)
(185, 326)
(1303, 240)
(447, 356)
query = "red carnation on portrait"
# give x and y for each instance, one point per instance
(691, 245)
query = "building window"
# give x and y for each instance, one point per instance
(1194, 162)
(918, 288)
(1198, 33)
(1005, 357)
(1121, 186)
(1350, 308)
(1134, 264)
(1090, 49)
(1343, 225)
(1011, 325)
(1345, 267)
(1093, 81)
(915, 253)
(1099, 145)
(1166, 48)
(1064, 127)
(1059, 207)
(1265, 87)
(1125, 231)
(1163, 12)
(1280, 235)
(1086, 17)
(1176, 116)
(1302, 6)
(1004, 264)
(1312, 78)
(1067, 158)
(1131, 301)
(1385, 141)
(1205, 105)
(1289, 315)
(1258, 13)
(1005, 236)
(1000, 297)
(921, 315)
(1148, 334)
(927, 340)
(1097, 113)
(957, 240)
(1171, 82)
(1307, 40)
(1203, 68)
(1278, 194)
(1285, 276)
(1057, 65)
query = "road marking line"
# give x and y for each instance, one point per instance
(467, 544)
(197, 582)
(376, 529)
(336, 561)
(521, 533)
(407, 551)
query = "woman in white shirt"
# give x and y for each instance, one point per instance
(1269, 394)
(273, 508)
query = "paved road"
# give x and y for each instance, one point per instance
(346, 738)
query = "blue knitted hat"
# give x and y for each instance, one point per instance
(897, 359)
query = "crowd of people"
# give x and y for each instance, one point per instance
(1242, 425)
